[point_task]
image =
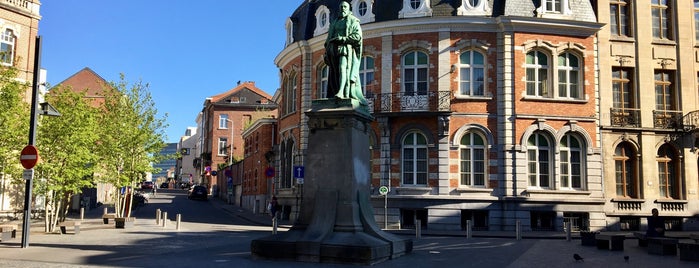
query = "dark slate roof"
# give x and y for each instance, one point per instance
(385, 10)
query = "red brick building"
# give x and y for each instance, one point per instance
(485, 111)
(224, 117)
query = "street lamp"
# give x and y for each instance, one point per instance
(45, 109)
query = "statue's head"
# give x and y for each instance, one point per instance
(345, 9)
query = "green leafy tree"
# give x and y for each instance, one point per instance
(131, 135)
(14, 129)
(67, 145)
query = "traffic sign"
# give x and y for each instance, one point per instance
(269, 172)
(29, 157)
(383, 190)
(28, 174)
(298, 171)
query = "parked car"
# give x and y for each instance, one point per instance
(164, 185)
(147, 186)
(198, 192)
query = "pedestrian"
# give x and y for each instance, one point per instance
(656, 225)
(273, 207)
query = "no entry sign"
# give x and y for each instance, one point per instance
(29, 157)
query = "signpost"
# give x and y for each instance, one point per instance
(298, 174)
(383, 190)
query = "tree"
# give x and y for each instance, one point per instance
(131, 135)
(14, 127)
(67, 147)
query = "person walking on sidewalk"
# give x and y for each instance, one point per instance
(273, 207)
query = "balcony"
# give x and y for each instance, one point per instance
(25, 6)
(667, 119)
(690, 121)
(403, 102)
(623, 117)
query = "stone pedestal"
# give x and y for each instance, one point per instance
(336, 222)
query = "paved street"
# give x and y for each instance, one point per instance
(209, 238)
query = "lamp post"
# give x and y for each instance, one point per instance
(46, 109)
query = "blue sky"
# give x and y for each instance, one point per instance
(185, 50)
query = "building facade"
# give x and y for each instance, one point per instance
(256, 182)
(485, 111)
(188, 148)
(224, 117)
(649, 143)
(165, 167)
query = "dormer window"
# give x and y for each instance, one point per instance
(363, 10)
(289, 31)
(415, 8)
(322, 20)
(554, 7)
(473, 7)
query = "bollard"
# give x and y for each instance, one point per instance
(568, 231)
(518, 230)
(418, 229)
(179, 219)
(468, 229)
(164, 219)
(82, 213)
(274, 225)
(157, 217)
(104, 211)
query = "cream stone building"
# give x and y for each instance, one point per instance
(648, 73)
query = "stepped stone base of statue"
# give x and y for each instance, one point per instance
(336, 221)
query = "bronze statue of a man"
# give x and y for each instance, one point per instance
(343, 52)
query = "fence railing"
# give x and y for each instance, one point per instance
(409, 102)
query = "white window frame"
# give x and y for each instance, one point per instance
(415, 147)
(568, 166)
(323, 82)
(416, 69)
(469, 67)
(546, 91)
(566, 70)
(423, 10)
(536, 174)
(222, 146)
(289, 31)
(467, 8)
(322, 20)
(8, 42)
(369, 15)
(223, 121)
(364, 72)
(470, 159)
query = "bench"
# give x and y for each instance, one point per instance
(588, 238)
(662, 246)
(74, 224)
(689, 250)
(107, 216)
(642, 239)
(7, 232)
(610, 241)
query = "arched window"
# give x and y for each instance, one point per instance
(415, 66)
(7, 47)
(569, 76)
(323, 82)
(366, 73)
(286, 173)
(668, 166)
(472, 73)
(473, 168)
(537, 68)
(626, 171)
(539, 160)
(571, 162)
(414, 159)
(290, 94)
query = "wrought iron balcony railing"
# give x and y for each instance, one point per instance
(690, 121)
(667, 119)
(409, 102)
(624, 117)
